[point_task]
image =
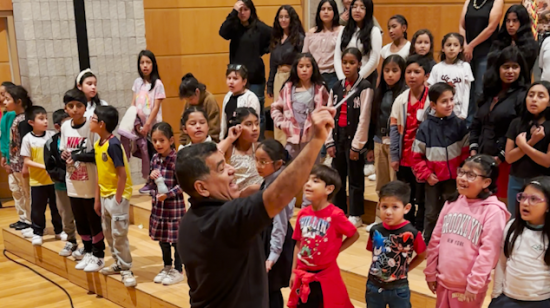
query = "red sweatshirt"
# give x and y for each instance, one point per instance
(466, 244)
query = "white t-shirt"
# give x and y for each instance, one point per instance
(145, 98)
(403, 52)
(524, 276)
(32, 147)
(81, 177)
(460, 76)
(90, 108)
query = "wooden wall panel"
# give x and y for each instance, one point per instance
(5, 75)
(183, 34)
(156, 4)
(6, 5)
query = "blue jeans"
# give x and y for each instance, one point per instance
(515, 185)
(479, 66)
(396, 298)
(330, 79)
(259, 90)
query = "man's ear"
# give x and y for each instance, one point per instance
(201, 189)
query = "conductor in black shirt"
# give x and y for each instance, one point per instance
(219, 238)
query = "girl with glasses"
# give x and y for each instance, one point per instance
(522, 276)
(271, 159)
(465, 244)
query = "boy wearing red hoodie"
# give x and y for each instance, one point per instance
(316, 280)
(466, 242)
(441, 145)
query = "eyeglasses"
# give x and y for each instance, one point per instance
(359, 7)
(263, 163)
(470, 175)
(529, 199)
(234, 67)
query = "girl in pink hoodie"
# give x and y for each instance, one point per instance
(466, 243)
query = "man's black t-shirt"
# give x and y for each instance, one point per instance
(220, 245)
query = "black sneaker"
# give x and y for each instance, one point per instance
(22, 226)
(15, 224)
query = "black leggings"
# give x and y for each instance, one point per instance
(315, 298)
(167, 255)
(405, 174)
(88, 226)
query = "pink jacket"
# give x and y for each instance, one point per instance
(283, 115)
(466, 244)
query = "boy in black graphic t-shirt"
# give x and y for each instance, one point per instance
(392, 244)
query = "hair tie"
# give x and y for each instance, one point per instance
(81, 74)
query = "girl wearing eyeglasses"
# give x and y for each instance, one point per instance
(236, 78)
(465, 244)
(522, 276)
(528, 143)
(271, 159)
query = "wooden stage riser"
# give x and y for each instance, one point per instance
(109, 287)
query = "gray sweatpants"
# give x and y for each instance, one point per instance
(115, 219)
(66, 212)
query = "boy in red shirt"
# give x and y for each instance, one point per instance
(408, 111)
(316, 280)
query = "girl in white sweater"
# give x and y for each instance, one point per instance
(360, 33)
(522, 276)
(238, 95)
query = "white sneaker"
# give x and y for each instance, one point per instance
(62, 236)
(26, 230)
(83, 262)
(29, 234)
(67, 251)
(95, 264)
(163, 273)
(173, 277)
(79, 254)
(37, 240)
(376, 221)
(369, 169)
(128, 279)
(372, 177)
(356, 221)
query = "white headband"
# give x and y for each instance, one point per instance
(79, 77)
(536, 183)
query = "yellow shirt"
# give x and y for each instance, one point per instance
(32, 146)
(108, 157)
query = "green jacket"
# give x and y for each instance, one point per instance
(5, 126)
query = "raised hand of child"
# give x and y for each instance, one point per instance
(161, 197)
(353, 155)
(154, 174)
(331, 152)
(238, 6)
(432, 285)
(469, 297)
(432, 179)
(235, 132)
(268, 265)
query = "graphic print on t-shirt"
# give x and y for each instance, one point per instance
(391, 255)
(314, 230)
(77, 171)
